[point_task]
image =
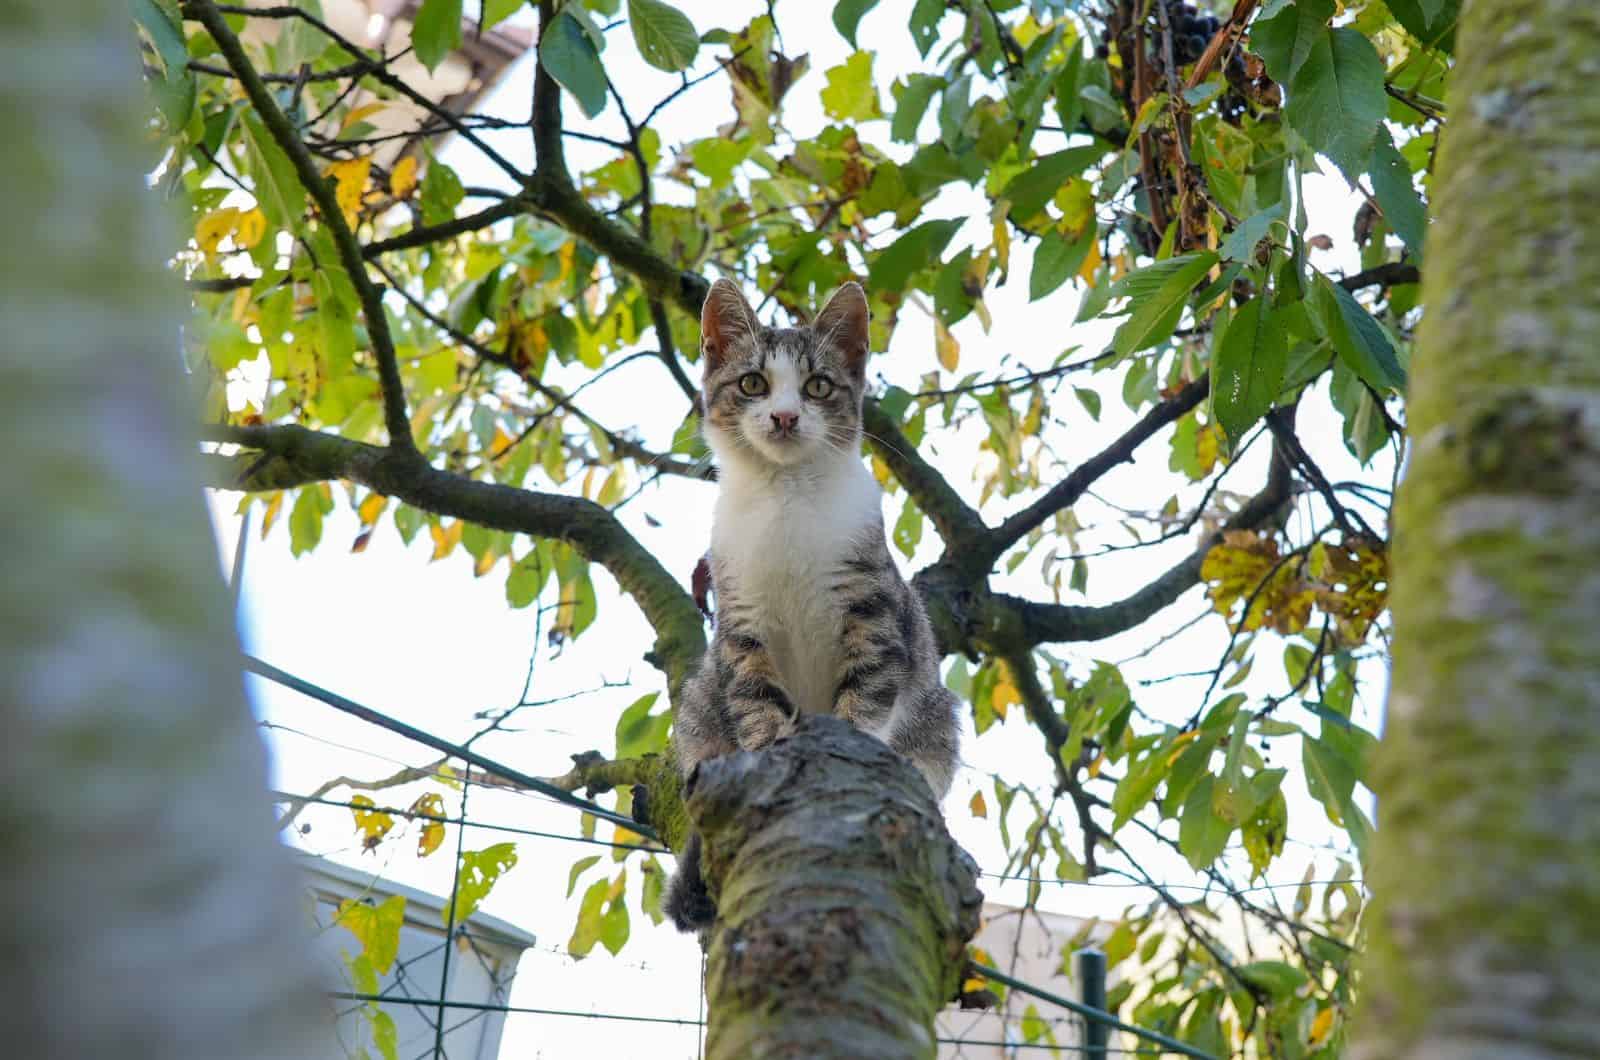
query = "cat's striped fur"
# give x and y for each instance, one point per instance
(811, 614)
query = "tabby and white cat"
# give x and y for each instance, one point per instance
(812, 616)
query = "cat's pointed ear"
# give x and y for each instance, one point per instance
(725, 319)
(842, 324)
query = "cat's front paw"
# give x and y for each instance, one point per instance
(760, 730)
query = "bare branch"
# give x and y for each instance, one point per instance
(1066, 492)
(1042, 623)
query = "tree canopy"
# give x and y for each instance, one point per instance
(377, 332)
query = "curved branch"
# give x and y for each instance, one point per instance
(1043, 623)
(589, 528)
(423, 236)
(395, 417)
(1066, 492)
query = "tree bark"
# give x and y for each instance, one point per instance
(844, 906)
(1485, 940)
(146, 910)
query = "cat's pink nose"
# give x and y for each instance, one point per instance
(785, 422)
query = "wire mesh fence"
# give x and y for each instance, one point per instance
(447, 991)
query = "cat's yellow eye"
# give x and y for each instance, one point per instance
(819, 387)
(752, 384)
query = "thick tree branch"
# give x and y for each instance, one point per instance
(1065, 493)
(589, 528)
(1389, 274)
(395, 417)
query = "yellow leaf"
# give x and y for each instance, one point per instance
(403, 177)
(350, 184)
(214, 227)
(445, 539)
(270, 516)
(371, 508)
(1002, 246)
(616, 485)
(376, 926)
(366, 110)
(485, 563)
(881, 472)
(372, 823)
(1321, 1027)
(1247, 567)
(430, 807)
(252, 226)
(946, 346)
(1091, 264)
(1096, 765)
(1207, 447)
(1004, 693)
(979, 807)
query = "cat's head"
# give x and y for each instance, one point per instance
(783, 397)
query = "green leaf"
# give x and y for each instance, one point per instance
(278, 190)
(919, 247)
(1155, 313)
(1284, 39)
(614, 925)
(1057, 259)
(1336, 100)
(1355, 336)
(385, 1036)
(1397, 194)
(587, 930)
(908, 529)
(527, 578)
(850, 94)
(305, 520)
(1331, 779)
(1433, 22)
(377, 927)
(579, 867)
(569, 55)
(1249, 367)
(437, 31)
(911, 104)
(1241, 242)
(476, 877)
(847, 16)
(1202, 835)
(717, 158)
(665, 36)
(1138, 786)
(497, 11)
(176, 92)
(441, 193)
(1029, 190)
(639, 732)
(1275, 977)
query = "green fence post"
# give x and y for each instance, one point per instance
(1092, 987)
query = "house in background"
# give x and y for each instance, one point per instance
(483, 958)
(1028, 945)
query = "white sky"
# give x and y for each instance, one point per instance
(432, 645)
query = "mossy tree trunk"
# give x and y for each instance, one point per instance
(1485, 941)
(844, 905)
(146, 910)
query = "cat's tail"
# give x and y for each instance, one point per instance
(687, 901)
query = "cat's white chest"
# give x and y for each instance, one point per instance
(780, 542)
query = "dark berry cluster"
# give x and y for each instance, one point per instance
(1192, 30)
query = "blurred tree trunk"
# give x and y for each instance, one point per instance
(844, 907)
(146, 909)
(1485, 941)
